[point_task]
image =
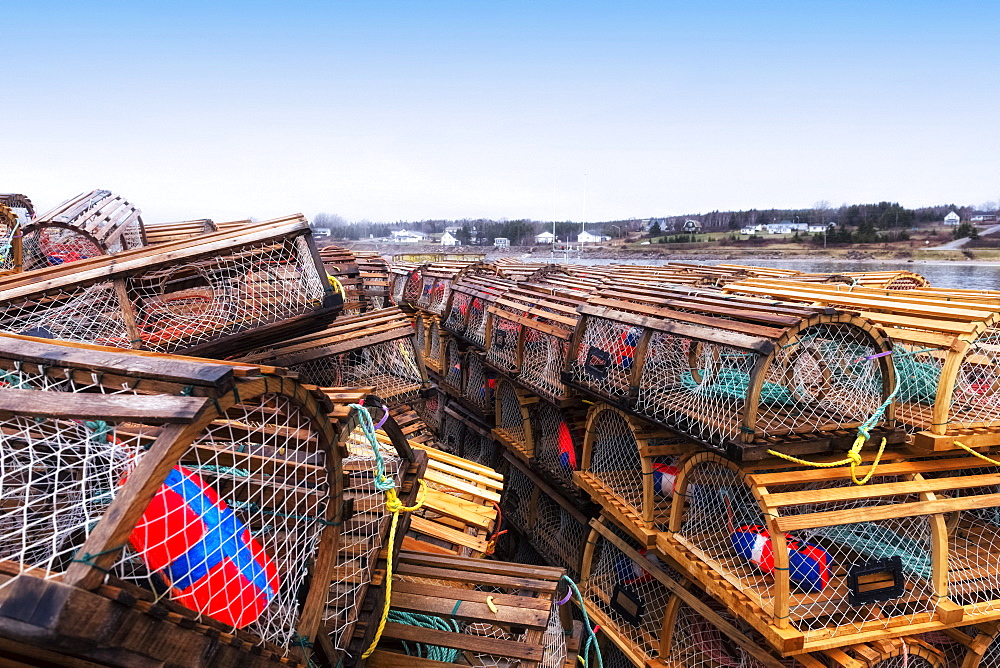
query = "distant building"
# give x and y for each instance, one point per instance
(545, 238)
(819, 228)
(952, 219)
(750, 229)
(321, 232)
(691, 226)
(448, 240)
(408, 237)
(983, 218)
(588, 238)
(501, 242)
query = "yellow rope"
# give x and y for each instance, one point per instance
(853, 458)
(394, 506)
(337, 287)
(973, 452)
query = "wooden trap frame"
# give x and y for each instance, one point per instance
(629, 467)
(496, 614)
(219, 294)
(459, 515)
(528, 335)
(512, 418)
(374, 349)
(452, 366)
(974, 646)
(438, 280)
(885, 280)
(735, 374)
(405, 283)
(88, 225)
(555, 526)
(471, 296)
(343, 266)
(95, 442)
(11, 236)
(944, 352)
(813, 561)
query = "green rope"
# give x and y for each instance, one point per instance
(433, 652)
(382, 482)
(14, 380)
(591, 643)
(878, 543)
(733, 384)
(101, 430)
(223, 470)
(254, 508)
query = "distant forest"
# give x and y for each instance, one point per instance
(856, 222)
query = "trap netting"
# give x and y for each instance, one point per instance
(451, 374)
(436, 344)
(543, 358)
(89, 225)
(431, 410)
(479, 383)
(57, 477)
(173, 305)
(389, 367)
(975, 401)
(364, 533)
(612, 657)
(480, 447)
(695, 642)
(617, 469)
(502, 343)
(10, 235)
(518, 501)
(624, 589)
(557, 435)
(559, 532)
(602, 361)
(843, 575)
(512, 417)
(420, 339)
(467, 312)
(234, 528)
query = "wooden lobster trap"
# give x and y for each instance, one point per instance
(629, 467)
(471, 296)
(375, 349)
(88, 225)
(478, 385)
(967, 647)
(437, 342)
(555, 527)
(529, 330)
(431, 409)
(557, 436)
(814, 561)
(459, 513)
(945, 354)
(214, 295)
(449, 610)
(189, 502)
(405, 283)
(885, 280)
(11, 236)
(736, 374)
(466, 431)
(342, 266)
(512, 418)
(452, 366)
(439, 279)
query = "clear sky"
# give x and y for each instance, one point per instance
(567, 110)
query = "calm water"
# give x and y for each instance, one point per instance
(963, 275)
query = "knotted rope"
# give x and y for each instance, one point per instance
(386, 485)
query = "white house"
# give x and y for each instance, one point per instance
(952, 219)
(408, 237)
(588, 238)
(750, 229)
(691, 226)
(448, 240)
(501, 242)
(545, 238)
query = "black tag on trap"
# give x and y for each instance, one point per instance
(875, 581)
(628, 604)
(598, 362)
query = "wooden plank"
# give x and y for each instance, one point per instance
(891, 511)
(463, 641)
(856, 492)
(152, 409)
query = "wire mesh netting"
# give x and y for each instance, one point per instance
(511, 417)
(825, 377)
(603, 359)
(430, 410)
(976, 397)
(420, 333)
(558, 443)
(438, 299)
(955, 653)
(542, 360)
(389, 367)
(504, 338)
(829, 565)
(180, 305)
(559, 535)
(451, 375)
(232, 531)
(362, 536)
(434, 343)
(518, 499)
(617, 467)
(613, 657)
(481, 448)
(456, 319)
(413, 288)
(697, 643)
(479, 384)
(625, 592)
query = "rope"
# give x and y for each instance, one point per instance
(393, 505)
(338, 288)
(591, 643)
(433, 652)
(977, 454)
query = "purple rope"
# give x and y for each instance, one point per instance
(565, 600)
(385, 416)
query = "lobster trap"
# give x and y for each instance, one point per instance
(529, 329)
(554, 526)
(438, 280)
(452, 366)
(557, 436)
(218, 294)
(466, 431)
(11, 248)
(342, 266)
(89, 225)
(478, 385)
(824, 562)
(372, 350)
(945, 353)
(197, 494)
(471, 296)
(436, 343)
(629, 468)
(405, 283)
(513, 427)
(885, 280)
(736, 374)
(450, 610)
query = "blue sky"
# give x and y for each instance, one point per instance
(593, 111)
